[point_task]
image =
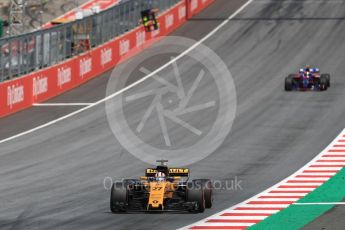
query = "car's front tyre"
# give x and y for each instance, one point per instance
(195, 193)
(118, 197)
(328, 79)
(323, 83)
(288, 83)
(208, 192)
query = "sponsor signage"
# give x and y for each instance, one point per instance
(124, 46)
(39, 85)
(140, 38)
(15, 94)
(106, 56)
(169, 21)
(21, 93)
(85, 66)
(64, 76)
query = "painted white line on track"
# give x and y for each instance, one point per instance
(227, 224)
(316, 169)
(153, 73)
(319, 173)
(61, 104)
(264, 206)
(294, 189)
(287, 194)
(332, 159)
(330, 163)
(298, 2)
(249, 217)
(321, 203)
(321, 176)
(251, 211)
(310, 178)
(276, 199)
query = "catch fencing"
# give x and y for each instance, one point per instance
(29, 52)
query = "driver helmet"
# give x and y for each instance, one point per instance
(307, 68)
(160, 176)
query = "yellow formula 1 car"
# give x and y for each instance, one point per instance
(162, 189)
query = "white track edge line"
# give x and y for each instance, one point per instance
(61, 104)
(321, 203)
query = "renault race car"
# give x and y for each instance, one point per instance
(307, 79)
(162, 189)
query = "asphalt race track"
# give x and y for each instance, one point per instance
(53, 178)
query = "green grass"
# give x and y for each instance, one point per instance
(296, 216)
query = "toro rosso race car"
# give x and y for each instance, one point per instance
(161, 189)
(307, 79)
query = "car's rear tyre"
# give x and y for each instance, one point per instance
(118, 197)
(289, 83)
(208, 192)
(195, 193)
(328, 78)
(323, 83)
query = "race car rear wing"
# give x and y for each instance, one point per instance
(173, 172)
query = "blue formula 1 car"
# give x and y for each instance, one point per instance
(307, 79)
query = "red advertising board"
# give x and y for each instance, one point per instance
(21, 93)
